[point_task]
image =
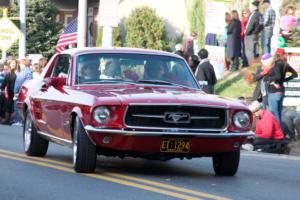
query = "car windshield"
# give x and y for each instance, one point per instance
(133, 68)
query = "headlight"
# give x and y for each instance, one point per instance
(101, 114)
(241, 119)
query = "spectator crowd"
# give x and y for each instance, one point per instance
(242, 37)
(13, 73)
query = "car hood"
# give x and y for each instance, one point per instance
(135, 94)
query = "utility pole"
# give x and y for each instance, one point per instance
(22, 41)
(82, 23)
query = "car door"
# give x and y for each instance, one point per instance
(52, 105)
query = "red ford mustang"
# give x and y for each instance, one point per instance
(130, 102)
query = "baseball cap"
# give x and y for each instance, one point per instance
(178, 47)
(255, 106)
(280, 51)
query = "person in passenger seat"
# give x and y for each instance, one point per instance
(154, 70)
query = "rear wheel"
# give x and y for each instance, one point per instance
(34, 145)
(84, 151)
(226, 164)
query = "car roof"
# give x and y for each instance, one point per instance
(84, 50)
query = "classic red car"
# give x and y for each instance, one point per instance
(130, 102)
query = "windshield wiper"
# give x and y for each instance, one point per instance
(161, 82)
(108, 81)
(154, 82)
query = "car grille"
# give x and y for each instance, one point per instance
(176, 116)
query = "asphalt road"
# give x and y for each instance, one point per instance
(260, 176)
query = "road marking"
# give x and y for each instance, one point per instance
(105, 178)
(167, 186)
(117, 175)
(36, 158)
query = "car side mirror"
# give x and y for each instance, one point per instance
(45, 84)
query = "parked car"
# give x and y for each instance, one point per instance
(130, 102)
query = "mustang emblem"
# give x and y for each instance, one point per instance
(177, 117)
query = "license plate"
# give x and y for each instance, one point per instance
(175, 145)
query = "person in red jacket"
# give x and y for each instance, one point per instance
(267, 128)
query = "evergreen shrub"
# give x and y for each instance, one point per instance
(145, 29)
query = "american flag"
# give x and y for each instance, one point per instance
(68, 36)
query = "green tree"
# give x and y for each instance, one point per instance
(145, 29)
(197, 20)
(42, 29)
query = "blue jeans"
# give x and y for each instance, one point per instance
(17, 116)
(266, 36)
(275, 101)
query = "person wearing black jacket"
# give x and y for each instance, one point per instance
(277, 76)
(7, 87)
(253, 28)
(205, 72)
(233, 50)
(193, 62)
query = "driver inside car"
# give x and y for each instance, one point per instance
(90, 73)
(112, 70)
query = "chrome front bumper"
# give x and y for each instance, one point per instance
(168, 132)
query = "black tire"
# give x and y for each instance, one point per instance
(226, 164)
(34, 145)
(84, 151)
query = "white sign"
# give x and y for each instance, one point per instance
(108, 13)
(292, 84)
(294, 61)
(9, 33)
(215, 17)
(216, 56)
(292, 88)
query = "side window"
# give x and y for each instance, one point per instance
(61, 67)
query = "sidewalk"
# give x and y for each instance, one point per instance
(295, 148)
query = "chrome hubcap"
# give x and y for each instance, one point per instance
(27, 133)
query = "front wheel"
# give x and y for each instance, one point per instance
(34, 145)
(84, 151)
(226, 164)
